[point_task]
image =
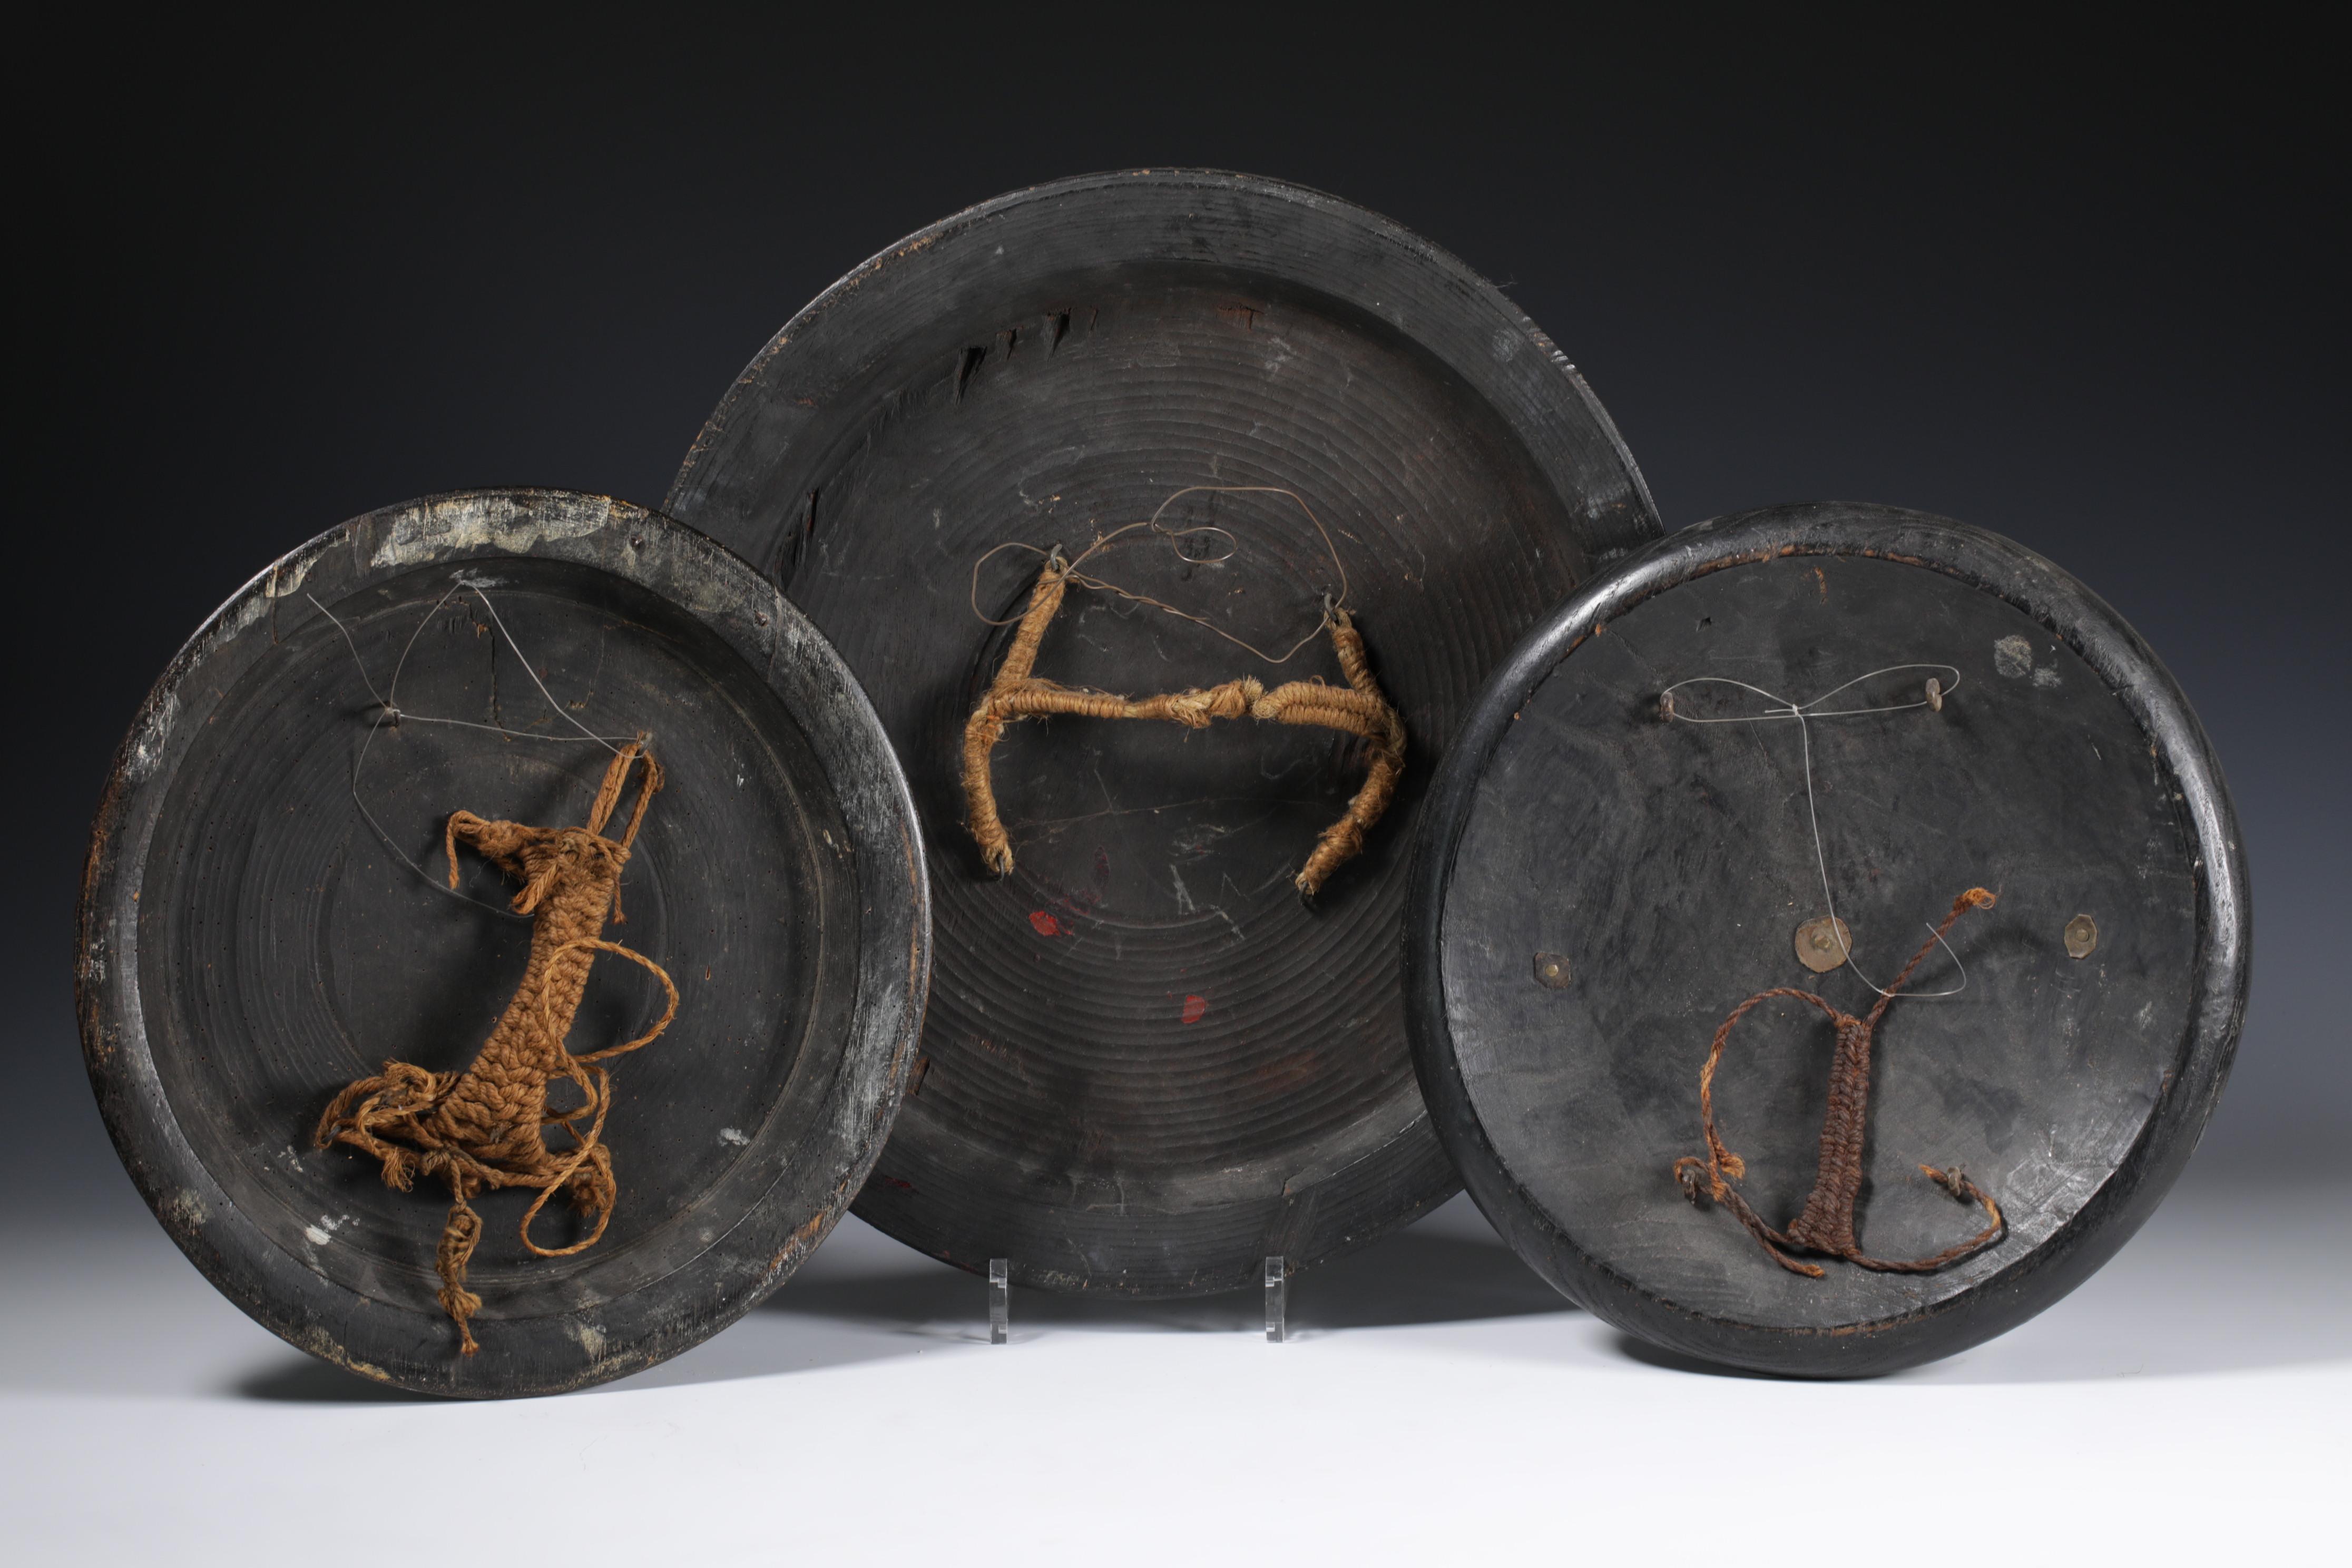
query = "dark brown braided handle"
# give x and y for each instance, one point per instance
(1825, 1225)
(1359, 709)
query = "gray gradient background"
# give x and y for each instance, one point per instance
(2084, 290)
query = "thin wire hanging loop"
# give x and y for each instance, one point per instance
(1803, 713)
(388, 712)
(1332, 602)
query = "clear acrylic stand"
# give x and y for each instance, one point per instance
(1000, 1300)
(1277, 1300)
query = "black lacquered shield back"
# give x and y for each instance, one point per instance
(1601, 885)
(251, 942)
(1145, 1064)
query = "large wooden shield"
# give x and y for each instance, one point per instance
(268, 919)
(1146, 1064)
(1694, 831)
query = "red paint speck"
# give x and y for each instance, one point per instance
(1195, 1008)
(1045, 924)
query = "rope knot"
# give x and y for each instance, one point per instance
(1954, 1181)
(1687, 1172)
(1196, 710)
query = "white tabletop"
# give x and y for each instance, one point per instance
(1437, 1403)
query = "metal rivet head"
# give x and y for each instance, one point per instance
(1822, 944)
(2082, 936)
(1551, 970)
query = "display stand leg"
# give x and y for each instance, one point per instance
(1000, 1300)
(1277, 1300)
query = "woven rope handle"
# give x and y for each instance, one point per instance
(1359, 709)
(483, 1129)
(1826, 1226)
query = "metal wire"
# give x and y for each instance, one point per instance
(1803, 713)
(388, 712)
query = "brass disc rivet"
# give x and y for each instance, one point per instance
(2082, 936)
(1822, 944)
(1551, 970)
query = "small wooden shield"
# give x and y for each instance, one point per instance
(262, 924)
(1147, 1065)
(1621, 850)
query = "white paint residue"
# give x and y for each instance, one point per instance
(1183, 894)
(2046, 678)
(284, 579)
(250, 614)
(733, 1135)
(591, 1338)
(2013, 657)
(147, 748)
(318, 1238)
(500, 522)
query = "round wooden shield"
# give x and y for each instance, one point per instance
(1147, 1065)
(1785, 754)
(268, 919)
